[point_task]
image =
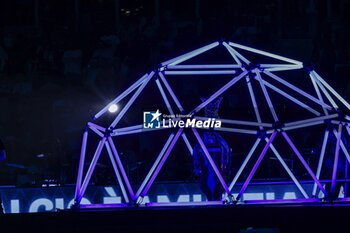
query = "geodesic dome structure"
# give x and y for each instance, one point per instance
(315, 104)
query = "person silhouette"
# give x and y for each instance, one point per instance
(220, 153)
(2, 151)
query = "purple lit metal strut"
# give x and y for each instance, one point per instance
(256, 165)
(91, 169)
(120, 166)
(81, 163)
(336, 157)
(162, 162)
(304, 162)
(155, 164)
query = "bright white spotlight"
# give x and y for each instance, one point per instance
(113, 108)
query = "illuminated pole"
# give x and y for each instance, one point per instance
(246, 160)
(298, 90)
(184, 137)
(121, 96)
(336, 157)
(318, 94)
(332, 90)
(267, 97)
(81, 164)
(91, 169)
(325, 92)
(252, 97)
(121, 167)
(291, 98)
(155, 164)
(131, 101)
(171, 92)
(302, 160)
(290, 173)
(320, 161)
(256, 165)
(116, 171)
(265, 53)
(189, 55)
(219, 92)
(161, 163)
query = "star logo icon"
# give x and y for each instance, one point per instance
(151, 119)
(156, 115)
